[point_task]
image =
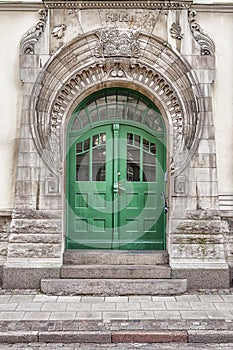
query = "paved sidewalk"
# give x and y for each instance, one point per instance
(40, 307)
(31, 317)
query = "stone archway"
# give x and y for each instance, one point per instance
(52, 91)
(156, 68)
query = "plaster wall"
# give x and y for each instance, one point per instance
(219, 27)
(12, 27)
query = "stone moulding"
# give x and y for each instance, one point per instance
(206, 43)
(33, 35)
(71, 71)
(143, 4)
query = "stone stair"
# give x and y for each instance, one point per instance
(114, 273)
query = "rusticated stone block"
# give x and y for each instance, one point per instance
(149, 337)
(199, 251)
(199, 226)
(33, 250)
(36, 238)
(5, 223)
(36, 226)
(197, 214)
(3, 248)
(36, 214)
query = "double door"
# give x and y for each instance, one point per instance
(115, 190)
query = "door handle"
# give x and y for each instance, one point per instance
(120, 188)
(164, 202)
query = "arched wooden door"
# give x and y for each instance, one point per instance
(115, 174)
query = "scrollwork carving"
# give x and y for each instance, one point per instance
(205, 42)
(116, 42)
(33, 35)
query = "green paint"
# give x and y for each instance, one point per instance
(115, 174)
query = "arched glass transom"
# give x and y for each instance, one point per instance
(117, 104)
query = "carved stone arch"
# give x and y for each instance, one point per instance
(77, 67)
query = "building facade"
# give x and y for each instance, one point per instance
(116, 134)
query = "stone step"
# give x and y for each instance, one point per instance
(115, 271)
(115, 257)
(113, 286)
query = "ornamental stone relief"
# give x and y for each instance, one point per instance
(176, 32)
(206, 43)
(58, 31)
(78, 71)
(116, 42)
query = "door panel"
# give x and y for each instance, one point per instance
(116, 176)
(141, 219)
(90, 191)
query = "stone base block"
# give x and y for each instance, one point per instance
(203, 278)
(27, 278)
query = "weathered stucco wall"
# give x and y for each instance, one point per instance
(12, 27)
(219, 26)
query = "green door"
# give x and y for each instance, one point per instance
(115, 186)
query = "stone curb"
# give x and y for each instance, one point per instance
(75, 337)
(19, 337)
(94, 337)
(149, 337)
(110, 337)
(217, 336)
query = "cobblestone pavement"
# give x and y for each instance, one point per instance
(154, 346)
